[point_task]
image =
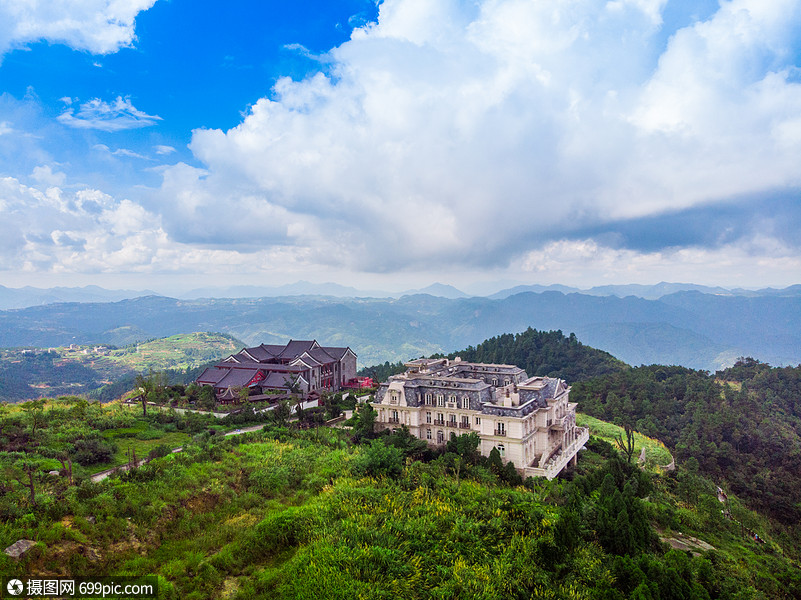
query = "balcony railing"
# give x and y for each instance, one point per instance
(557, 462)
(394, 420)
(501, 432)
(440, 422)
(464, 425)
(451, 423)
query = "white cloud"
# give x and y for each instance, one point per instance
(130, 154)
(99, 26)
(760, 261)
(115, 116)
(163, 150)
(471, 133)
(91, 232)
(44, 174)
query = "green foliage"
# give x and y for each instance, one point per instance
(743, 433)
(380, 373)
(544, 353)
(285, 513)
(364, 422)
(379, 460)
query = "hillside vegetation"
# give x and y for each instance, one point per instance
(543, 353)
(33, 373)
(312, 514)
(741, 427)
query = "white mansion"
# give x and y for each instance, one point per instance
(528, 419)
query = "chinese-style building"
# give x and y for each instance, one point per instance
(305, 366)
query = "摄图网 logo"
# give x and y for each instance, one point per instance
(15, 587)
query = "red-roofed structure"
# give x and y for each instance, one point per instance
(303, 364)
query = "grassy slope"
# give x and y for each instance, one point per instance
(656, 454)
(177, 352)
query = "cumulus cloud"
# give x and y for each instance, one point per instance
(87, 231)
(99, 26)
(45, 174)
(761, 261)
(107, 116)
(473, 133)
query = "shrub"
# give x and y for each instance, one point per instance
(379, 460)
(92, 452)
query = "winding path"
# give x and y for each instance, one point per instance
(108, 472)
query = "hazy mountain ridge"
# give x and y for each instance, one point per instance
(688, 328)
(13, 298)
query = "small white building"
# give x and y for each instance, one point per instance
(530, 420)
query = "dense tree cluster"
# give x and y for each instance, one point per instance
(544, 353)
(741, 426)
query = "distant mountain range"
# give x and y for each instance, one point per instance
(649, 292)
(11, 298)
(31, 296)
(690, 328)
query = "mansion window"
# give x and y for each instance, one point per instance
(495, 381)
(428, 419)
(440, 400)
(466, 403)
(429, 399)
(478, 420)
(440, 437)
(452, 399)
(428, 434)
(502, 449)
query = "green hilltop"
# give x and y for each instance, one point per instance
(28, 373)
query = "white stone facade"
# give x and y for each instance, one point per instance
(529, 419)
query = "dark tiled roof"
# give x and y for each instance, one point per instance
(261, 353)
(249, 364)
(212, 375)
(308, 359)
(237, 378)
(276, 380)
(229, 394)
(297, 347)
(337, 353)
(322, 356)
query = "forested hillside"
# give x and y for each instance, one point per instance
(335, 514)
(542, 353)
(741, 427)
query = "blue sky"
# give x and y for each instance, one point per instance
(169, 144)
